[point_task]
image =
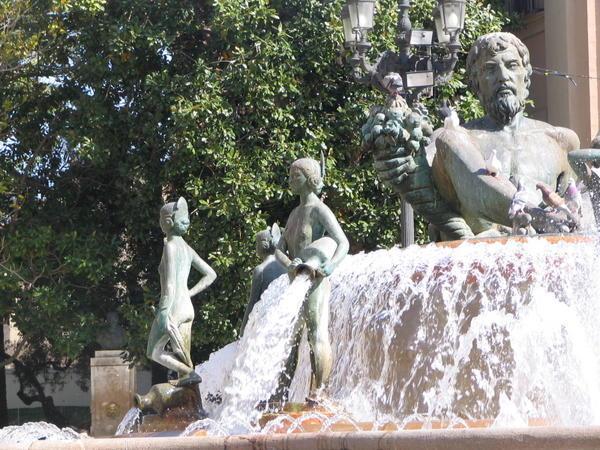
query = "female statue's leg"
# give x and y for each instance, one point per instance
(317, 321)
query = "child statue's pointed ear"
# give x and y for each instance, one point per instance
(182, 205)
(275, 233)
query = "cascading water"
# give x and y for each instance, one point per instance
(496, 331)
(505, 331)
(34, 431)
(266, 344)
(130, 422)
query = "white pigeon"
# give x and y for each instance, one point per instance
(493, 164)
(519, 201)
(452, 122)
(517, 211)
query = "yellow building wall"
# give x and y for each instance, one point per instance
(572, 47)
(566, 37)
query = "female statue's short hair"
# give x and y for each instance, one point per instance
(312, 171)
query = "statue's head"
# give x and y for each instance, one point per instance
(266, 240)
(174, 218)
(306, 171)
(499, 71)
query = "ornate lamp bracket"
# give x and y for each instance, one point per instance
(417, 68)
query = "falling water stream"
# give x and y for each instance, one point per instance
(130, 422)
(254, 375)
(266, 344)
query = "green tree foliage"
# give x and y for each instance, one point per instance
(130, 103)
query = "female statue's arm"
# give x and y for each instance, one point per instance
(209, 275)
(281, 252)
(335, 232)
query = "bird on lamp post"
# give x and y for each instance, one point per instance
(409, 71)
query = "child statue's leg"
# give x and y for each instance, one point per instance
(157, 342)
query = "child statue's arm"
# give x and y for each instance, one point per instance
(209, 275)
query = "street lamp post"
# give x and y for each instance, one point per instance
(419, 70)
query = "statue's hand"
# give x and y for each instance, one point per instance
(294, 264)
(394, 172)
(326, 269)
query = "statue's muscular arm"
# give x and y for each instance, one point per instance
(459, 173)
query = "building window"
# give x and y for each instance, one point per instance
(524, 6)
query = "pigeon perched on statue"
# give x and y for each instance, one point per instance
(550, 197)
(573, 198)
(521, 219)
(493, 166)
(393, 84)
(452, 121)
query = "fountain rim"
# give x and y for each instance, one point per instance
(574, 238)
(543, 438)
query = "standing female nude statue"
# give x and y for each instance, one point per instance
(171, 333)
(309, 222)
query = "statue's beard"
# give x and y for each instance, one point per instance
(504, 108)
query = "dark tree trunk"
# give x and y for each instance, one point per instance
(3, 401)
(27, 382)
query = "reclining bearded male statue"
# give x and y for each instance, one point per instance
(453, 185)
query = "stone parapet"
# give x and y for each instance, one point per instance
(580, 438)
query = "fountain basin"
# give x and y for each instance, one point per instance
(501, 330)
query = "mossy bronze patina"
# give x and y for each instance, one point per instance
(171, 333)
(311, 225)
(454, 190)
(173, 322)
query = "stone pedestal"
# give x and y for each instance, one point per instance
(113, 385)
